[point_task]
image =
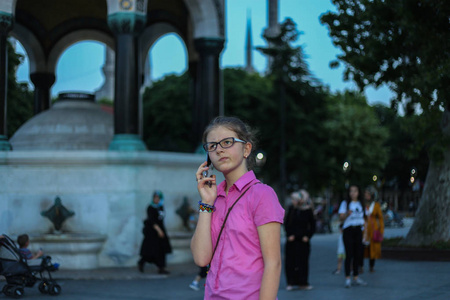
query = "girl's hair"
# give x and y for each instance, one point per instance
(242, 130)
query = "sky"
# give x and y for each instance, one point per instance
(79, 68)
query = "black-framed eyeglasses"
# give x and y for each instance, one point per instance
(225, 143)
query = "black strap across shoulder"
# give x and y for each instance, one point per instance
(225, 220)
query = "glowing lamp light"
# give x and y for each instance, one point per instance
(346, 166)
(260, 159)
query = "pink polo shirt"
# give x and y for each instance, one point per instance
(237, 266)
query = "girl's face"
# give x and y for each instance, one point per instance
(229, 160)
(367, 196)
(156, 199)
(354, 193)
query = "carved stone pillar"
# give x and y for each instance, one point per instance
(42, 84)
(127, 18)
(208, 85)
(6, 23)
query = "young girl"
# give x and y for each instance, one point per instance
(244, 256)
(353, 215)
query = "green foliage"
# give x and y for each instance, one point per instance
(404, 44)
(355, 136)
(105, 101)
(397, 242)
(403, 152)
(392, 242)
(255, 100)
(167, 111)
(20, 98)
(250, 97)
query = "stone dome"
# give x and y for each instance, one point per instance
(74, 122)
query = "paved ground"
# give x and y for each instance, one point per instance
(393, 280)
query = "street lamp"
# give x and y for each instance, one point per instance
(413, 175)
(260, 159)
(346, 168)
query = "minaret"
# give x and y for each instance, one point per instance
(273, 28)
(107, 89)
(248, 46)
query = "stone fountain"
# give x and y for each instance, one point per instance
(71, 250)
(64, 151)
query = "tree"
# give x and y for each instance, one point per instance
(250, 98)
(300, 99)
(406, 45)
(402, 150)
(355, 137)
(167, 111)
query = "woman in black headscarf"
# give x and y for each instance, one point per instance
(156, 244)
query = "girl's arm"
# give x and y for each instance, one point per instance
(269, 237)
(201, 244)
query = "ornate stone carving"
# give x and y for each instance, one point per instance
(57, 214)
(6, 22)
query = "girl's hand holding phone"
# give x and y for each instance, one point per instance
(206, 185)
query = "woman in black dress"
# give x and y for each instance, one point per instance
(156, 244)
(300, 225)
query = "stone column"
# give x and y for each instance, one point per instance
(6, 22)
(126, 22)
(208, 87)
(42, 84)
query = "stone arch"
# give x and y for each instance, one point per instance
(207, 18)
(33, 48)
(152, 33)
(74, 37)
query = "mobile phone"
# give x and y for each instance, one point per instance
(206, 172)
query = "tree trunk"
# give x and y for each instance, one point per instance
(432, 221)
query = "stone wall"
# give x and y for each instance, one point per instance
(108, 191)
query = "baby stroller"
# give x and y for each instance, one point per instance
(19, 274)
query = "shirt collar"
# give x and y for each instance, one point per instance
(240, 184)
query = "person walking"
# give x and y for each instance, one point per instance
(374, 228)
(239, 223)
(195, 284)
(156, 243)
(300, 226)
(352, 213)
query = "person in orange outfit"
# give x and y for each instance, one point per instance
(374, 223)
